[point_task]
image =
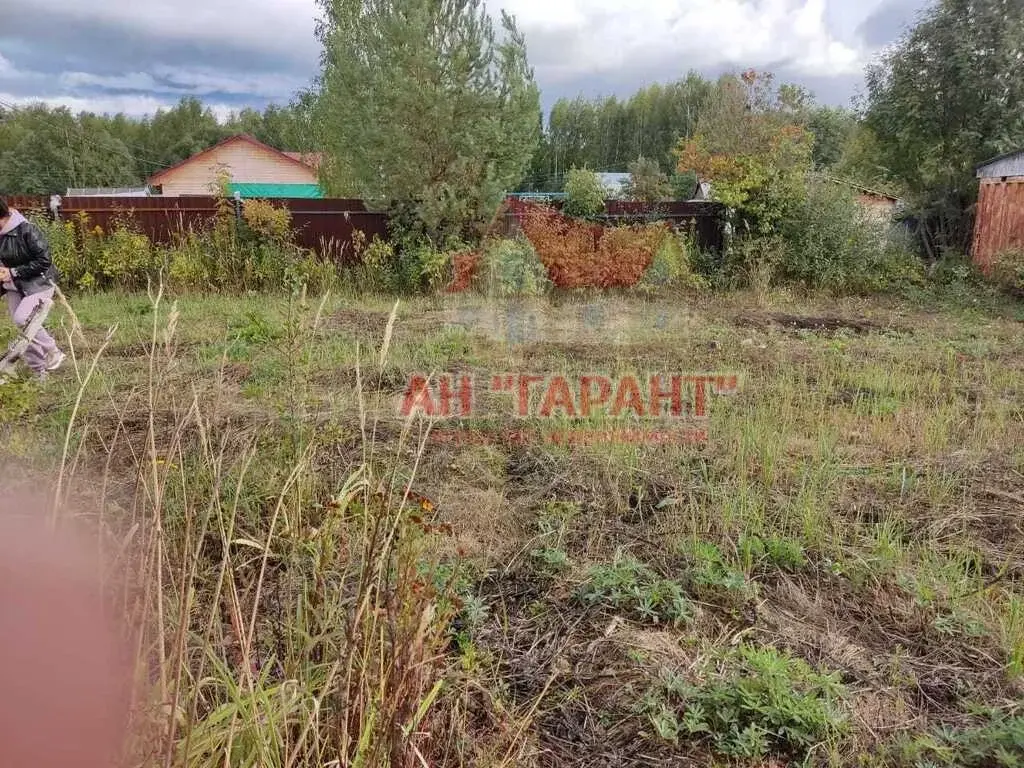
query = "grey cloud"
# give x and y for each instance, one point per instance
(53, 49)
(889, 21)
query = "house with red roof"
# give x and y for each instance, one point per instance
(253, 168)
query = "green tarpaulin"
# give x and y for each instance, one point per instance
(269, 191)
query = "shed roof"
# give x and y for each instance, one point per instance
(862, 189)
(1006, 164)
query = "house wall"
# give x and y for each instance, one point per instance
(880, 208)
(999, 221)
(248, 164)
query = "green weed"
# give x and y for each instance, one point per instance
(628, 585)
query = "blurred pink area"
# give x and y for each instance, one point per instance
(64, 686)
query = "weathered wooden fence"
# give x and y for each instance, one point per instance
(326, 226)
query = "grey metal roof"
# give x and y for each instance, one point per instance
(109, 192)
(614, 181)
(1008, 164)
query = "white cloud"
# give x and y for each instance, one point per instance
(199, 82)
(207, 81)
(583, 44)
(133, 105)
(8, 72)
(579, 37)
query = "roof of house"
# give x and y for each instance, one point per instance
(108, 192)
(860, 188)
(1003, 156)
(312, 159)
(614, 179)
(156, 177)
(274, 191)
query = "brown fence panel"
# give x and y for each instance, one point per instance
(28, 202)
(999, 220)
(326, 226)
(331, 233)
(161, 219)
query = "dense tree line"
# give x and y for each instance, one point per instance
(45, 150)
(611, 134)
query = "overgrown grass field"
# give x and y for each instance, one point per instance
(836, 578)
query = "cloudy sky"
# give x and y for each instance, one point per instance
(135, 56)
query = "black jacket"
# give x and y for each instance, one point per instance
(25, 252)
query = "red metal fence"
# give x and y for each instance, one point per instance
(999, 222)
(326, 226)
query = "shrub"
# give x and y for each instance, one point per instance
(376, 269)
(647, 182)
(1008, 271)
(465, 267)
(514, 269)
(257, 254)
(61, 237)
(832, 243)
(630, 586)
(124, 256)
(584, 193)
(671, 264)
(581, 255)
(424, 267)
(754, 703)
(188, 263)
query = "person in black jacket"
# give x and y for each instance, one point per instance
(28, 277)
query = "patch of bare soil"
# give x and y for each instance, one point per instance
(145, 348)
(817, 324)
(357, 321)
(390, 380)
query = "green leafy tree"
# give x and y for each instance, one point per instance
(610, 133)
(753, 150)
(862, 162)
(49, 150)
(176, 134)
(648, 183)
(422, 103)
(945, 99)
(684, 184)
(833, 129)
(584, 193)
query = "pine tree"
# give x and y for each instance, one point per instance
(419, 102)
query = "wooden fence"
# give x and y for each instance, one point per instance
(326, 226)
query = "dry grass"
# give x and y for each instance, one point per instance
(295, 604)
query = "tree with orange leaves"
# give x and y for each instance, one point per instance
(754, 148)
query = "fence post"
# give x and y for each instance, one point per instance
(238, 206)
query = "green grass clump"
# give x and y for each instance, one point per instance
(752, 703)
(630, 586)
(998, 743)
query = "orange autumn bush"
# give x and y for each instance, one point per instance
(465, 266)
(581, 255)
